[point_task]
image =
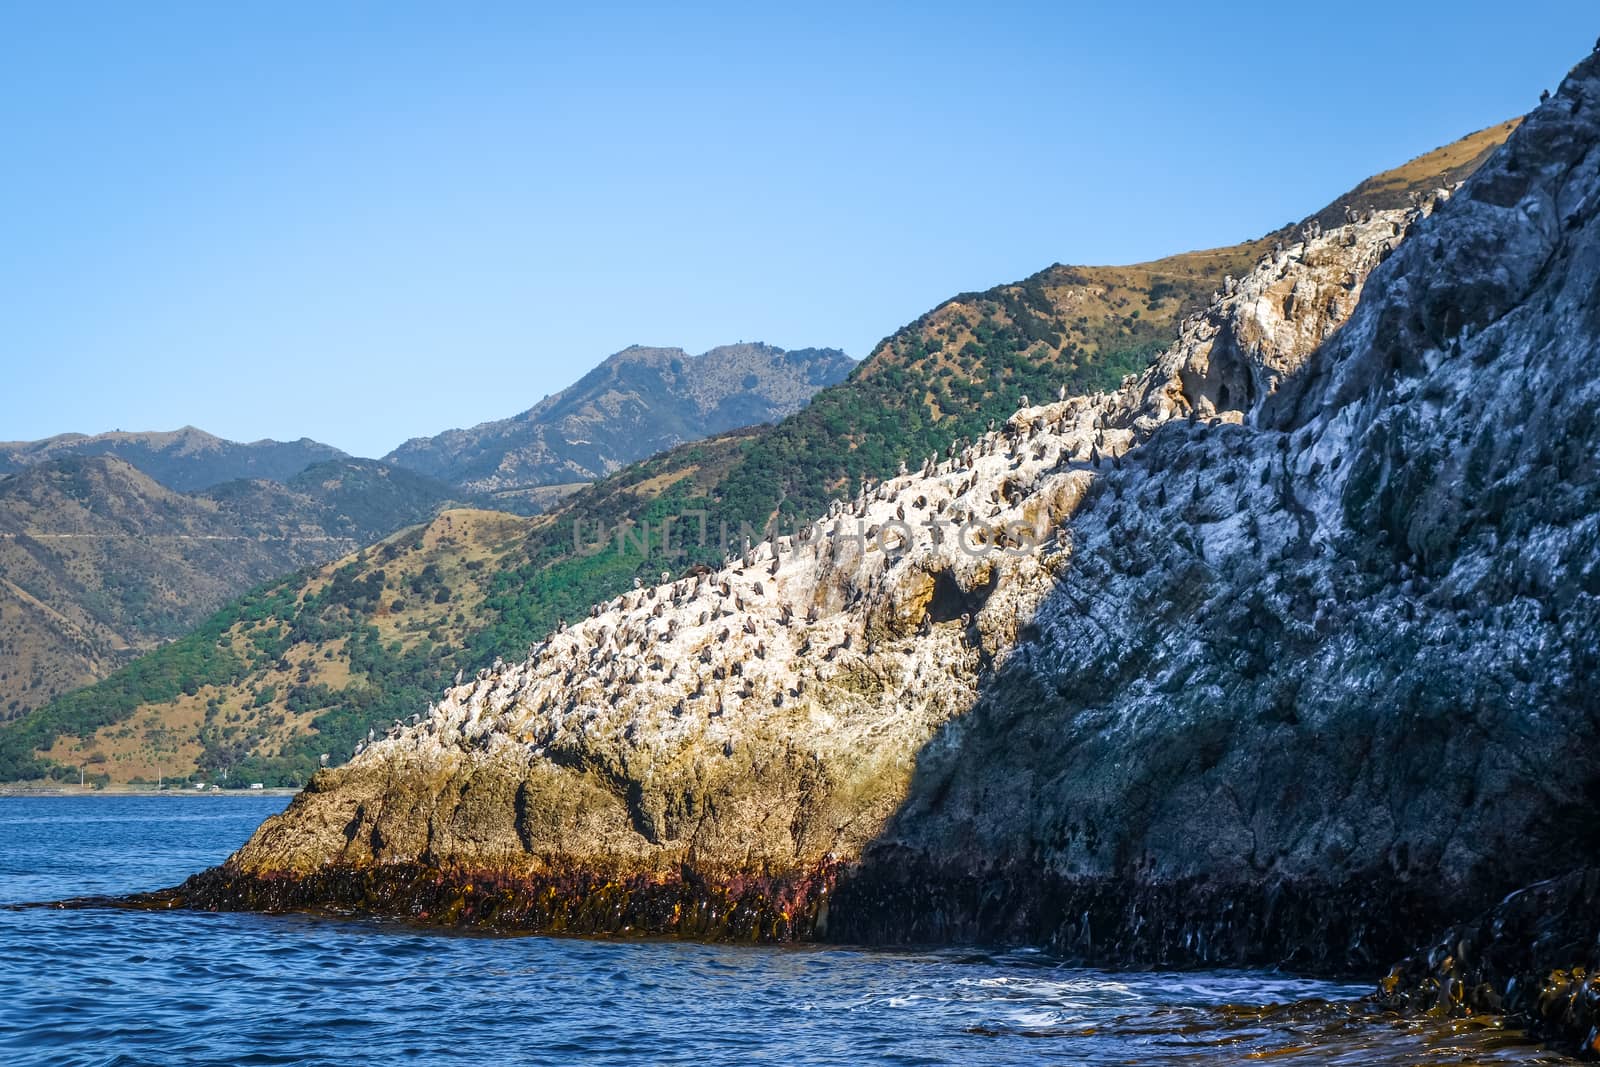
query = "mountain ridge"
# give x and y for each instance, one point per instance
(187, 459)
(636, 402)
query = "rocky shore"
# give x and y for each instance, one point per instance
(1285, 652)
(1534, 957)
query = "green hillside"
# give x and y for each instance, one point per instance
(100, 562)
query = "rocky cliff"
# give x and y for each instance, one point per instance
(1284, 651)
(637, 403)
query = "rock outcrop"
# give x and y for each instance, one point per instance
(1321, 682)
(1535, 956)
(1283, 652)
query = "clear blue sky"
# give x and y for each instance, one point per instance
(362, 223)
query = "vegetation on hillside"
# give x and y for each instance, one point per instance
(100, 562)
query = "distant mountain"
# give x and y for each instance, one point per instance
(638, 402)
(186, 460)
(99, 561)
(357, 499)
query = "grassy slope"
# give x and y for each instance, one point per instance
(1442, 167)
(364, 640)
(100, 562)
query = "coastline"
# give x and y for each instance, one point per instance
(7, 791)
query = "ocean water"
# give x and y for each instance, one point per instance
(114, 988)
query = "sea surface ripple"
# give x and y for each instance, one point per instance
(116, 988)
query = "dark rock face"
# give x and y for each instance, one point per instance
(1339, 660)
(1307, 927)
(1535, 956)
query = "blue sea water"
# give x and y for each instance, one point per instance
(114, 987)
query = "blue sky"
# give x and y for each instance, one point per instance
(367, 222)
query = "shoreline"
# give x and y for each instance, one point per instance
(135, 791)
